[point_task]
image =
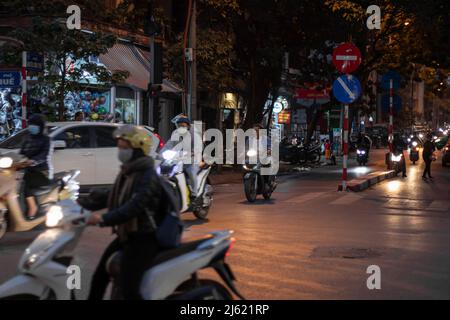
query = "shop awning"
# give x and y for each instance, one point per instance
(127, 57)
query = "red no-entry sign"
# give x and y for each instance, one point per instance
(346, 58)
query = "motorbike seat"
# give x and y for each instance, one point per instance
(178, 251)
(44, 190)
(113, 263)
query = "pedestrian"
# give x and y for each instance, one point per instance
(428, 156)
(327, 150)
(79, 116)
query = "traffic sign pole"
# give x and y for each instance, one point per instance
(24, 89)
(391, 115)
(345, 149)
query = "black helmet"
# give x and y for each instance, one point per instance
(38, 120)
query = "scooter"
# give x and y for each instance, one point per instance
(172, 168)
(397, 162)
(44, 266)
(12, 202)
(255, 183)
(362, 156)
(414, 152)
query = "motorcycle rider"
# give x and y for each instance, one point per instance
(399, 145)
(186, 131)
(264, 143)
(37, 149)
(364, 142)
(133, 210)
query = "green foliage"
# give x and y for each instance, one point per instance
(62, 46)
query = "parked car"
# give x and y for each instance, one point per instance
(446, 155)
(87, 146)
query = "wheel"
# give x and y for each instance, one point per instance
(414, 162)
(202, 213)
(3, 227)
(221, 292)
(267, 192)
(250, 188)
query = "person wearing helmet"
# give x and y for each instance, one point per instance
(132, 208)
(185, 130)
(37, 149)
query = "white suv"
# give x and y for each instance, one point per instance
(87, 146)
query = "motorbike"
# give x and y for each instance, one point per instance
(171, 168)
(255, 183)
(414, 152)
(362, 156)
(397, 161)
(43, 268)
(12, 201)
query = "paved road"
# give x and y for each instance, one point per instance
(311, 242)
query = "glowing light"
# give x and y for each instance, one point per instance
(393, 186)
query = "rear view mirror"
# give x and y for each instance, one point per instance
(60, 144)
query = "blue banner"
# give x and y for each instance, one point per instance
(10, 79)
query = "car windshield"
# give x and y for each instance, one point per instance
(16, 141)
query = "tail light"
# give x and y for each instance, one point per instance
(232, 241)
(416, 149)
(161, 141)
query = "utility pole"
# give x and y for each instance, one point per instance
(191, 60)
(156, 72)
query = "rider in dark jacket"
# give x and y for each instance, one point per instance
(399, 145)
(133, 211)
(37, 149)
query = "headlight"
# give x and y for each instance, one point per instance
(54, 216)
(396, 158)
(169, 154)
(420, 136)
(409, 139)
(6, 162)
(414, 143)
(360, 152)
(363, 152)
(251, 153)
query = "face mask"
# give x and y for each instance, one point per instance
(33, 129)
(125, 155)
(182, 130)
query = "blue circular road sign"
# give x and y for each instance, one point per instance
(347, 88)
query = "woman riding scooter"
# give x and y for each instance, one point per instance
(37, 149)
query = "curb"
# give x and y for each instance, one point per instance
(360, 184)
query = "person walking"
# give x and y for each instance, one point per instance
(427, 155)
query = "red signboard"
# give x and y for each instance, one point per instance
(308, 97)
(346, 58)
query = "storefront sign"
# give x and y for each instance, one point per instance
(10, 79)
(35, 61)
(284, 117)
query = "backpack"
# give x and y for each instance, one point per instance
(168, 233)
